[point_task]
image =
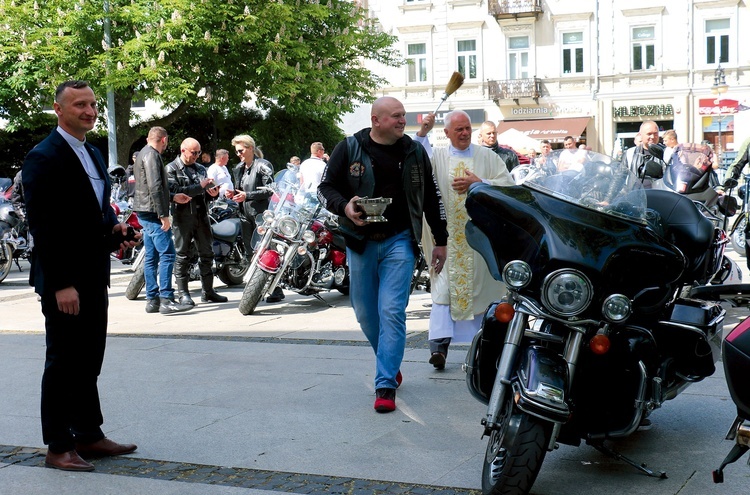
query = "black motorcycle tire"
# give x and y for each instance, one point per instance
(738, 236)
(233, 274)
(514, 455)
(6, 253)
(254, 290)
(137, 283)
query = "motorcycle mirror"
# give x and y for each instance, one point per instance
(653, 169)
(730, 183)
(656, 150)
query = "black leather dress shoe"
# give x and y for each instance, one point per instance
(67, 461)
(104, 447)
(213, 296)
(152, 305)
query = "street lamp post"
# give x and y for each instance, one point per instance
(719, 88)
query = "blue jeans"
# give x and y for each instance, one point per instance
(159, 259)
(379, 293)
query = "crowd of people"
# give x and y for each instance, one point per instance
(427, 210)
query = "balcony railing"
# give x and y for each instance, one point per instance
(514, 89)
(513, 9)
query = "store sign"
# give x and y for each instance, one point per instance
(710, 106)
(415, 118)
(643, 111)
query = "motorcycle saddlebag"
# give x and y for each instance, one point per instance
(736, 352)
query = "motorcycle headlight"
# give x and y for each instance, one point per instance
(566, 292)
(308, 236)
(517, 274)
(616, 308)
(268, 216)
(288, 226)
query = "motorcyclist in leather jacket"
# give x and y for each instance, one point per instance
(191, 221)
(733, 172)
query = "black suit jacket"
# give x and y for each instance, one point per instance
(72, 230)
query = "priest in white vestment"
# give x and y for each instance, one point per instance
(462, 290)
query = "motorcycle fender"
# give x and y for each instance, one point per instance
(542, 384)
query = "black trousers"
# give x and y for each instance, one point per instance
(187, 229)
(71, 411)
(248, 225)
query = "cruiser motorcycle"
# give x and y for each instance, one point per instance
(124, 211)
(593, 334)
(9, 221)
(298, 248)
(230, 259)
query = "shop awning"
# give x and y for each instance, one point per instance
(552, 129)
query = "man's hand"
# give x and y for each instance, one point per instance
(214, 191)
(239, 196)
(121, 229)
(206, 181)
(428, 122)
(354, 212)
(67, 301)
(439, 254)
(181, 198)
(165, 223)
(461, 184)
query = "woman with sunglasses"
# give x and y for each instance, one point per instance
(252, 172)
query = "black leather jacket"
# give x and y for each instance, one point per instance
(187, 180)
(507, 155)
(260, 173)
(151, 186)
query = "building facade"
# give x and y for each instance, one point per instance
(593, 69)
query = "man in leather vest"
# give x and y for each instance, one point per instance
(191, 221)
(382, 162)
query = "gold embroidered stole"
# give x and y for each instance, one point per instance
(460, 255)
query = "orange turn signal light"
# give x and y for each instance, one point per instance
(599, 344)
(504, 312)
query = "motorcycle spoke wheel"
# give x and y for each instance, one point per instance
(514, 455)
(6, 258)
(738, 238)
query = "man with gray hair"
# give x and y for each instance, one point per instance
(458, 301)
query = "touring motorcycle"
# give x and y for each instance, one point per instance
(298, 247)
(595, 331)
(124, 211)
(230, 259)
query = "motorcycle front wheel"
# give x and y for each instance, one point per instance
(738, 236)
(514, 455)
(137, 283)
(254, 291)
(6, 260)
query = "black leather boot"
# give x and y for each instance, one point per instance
(208, 294)
(183, 293)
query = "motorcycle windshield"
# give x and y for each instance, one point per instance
(594, 219)
(594, 181)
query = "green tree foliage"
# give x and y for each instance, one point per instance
(302, 55)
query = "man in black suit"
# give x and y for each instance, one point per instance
(72, 278)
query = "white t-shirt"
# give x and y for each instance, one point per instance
(222, 178)
(311, 173)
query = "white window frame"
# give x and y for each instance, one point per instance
(717, 34)
(513, 54)
(467, 56)
(572, 48)
(643, 44)
(417, 62)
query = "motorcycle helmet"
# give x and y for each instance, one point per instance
(9, 215)
(736, 356)
(116, 171)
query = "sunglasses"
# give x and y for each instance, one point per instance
(195, 153)
(240, 151)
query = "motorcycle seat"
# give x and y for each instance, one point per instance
(684, 224)
(227, 230)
